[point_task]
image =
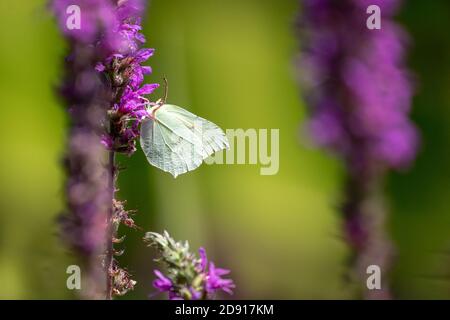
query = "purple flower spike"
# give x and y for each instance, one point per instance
(112, 29)
(106, 99)
(360, 89)
(359, 93)
(190, 278)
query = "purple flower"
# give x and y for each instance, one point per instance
(189, 277)
(360, 90)
(114, 32)
(214, 281)
(163, 284)
(124, 67)
(95, 16)
(359, 94)
(105, 97)
(203, 259)
(99, 67)
(87, 192)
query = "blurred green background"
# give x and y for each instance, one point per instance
(230, 62)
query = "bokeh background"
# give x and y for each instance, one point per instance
(230, 62)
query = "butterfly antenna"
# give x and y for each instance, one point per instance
(166, 89)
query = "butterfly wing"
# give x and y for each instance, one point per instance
(177, 141)
(212, 138)
(158, 142)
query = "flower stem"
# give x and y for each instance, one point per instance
(365, 230)
(110, 227)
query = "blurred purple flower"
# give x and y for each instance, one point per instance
(360, 91)
(113, 32)
(103, 91)
(96, 17)
(87, 178)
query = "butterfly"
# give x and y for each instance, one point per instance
(176, 140)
